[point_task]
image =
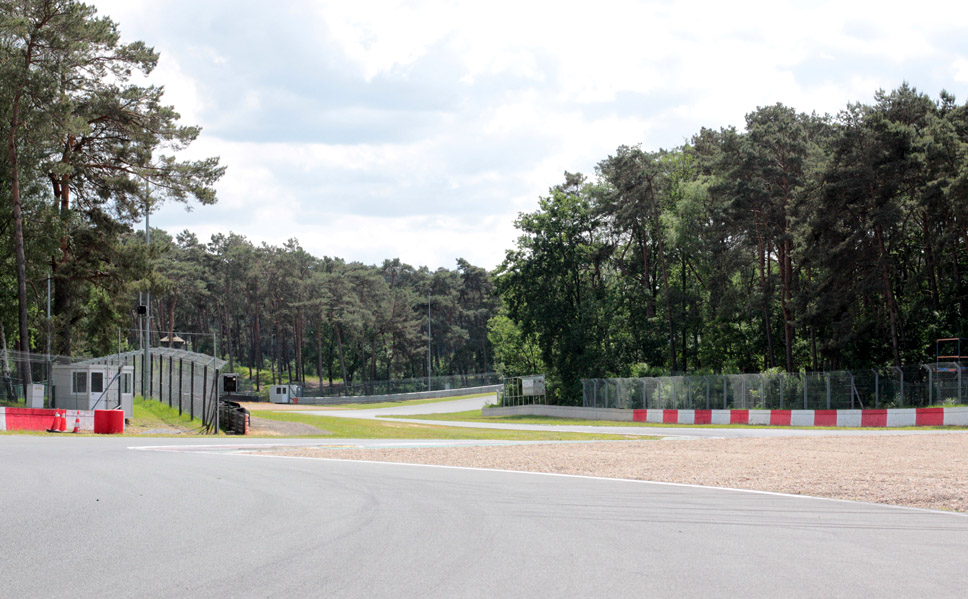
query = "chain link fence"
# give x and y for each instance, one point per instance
(183, 380)
(943, 383)
(414, 385)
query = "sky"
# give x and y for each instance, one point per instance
(370, 130)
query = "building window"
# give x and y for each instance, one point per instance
(97, 382)
(78, 382)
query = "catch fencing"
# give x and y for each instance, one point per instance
(399, 386)
(183, 380)
(940, 384)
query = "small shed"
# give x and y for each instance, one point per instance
(288, 393)
(89, 386)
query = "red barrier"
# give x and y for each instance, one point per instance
(639, 415)
(929, 417)
(739, 417)
(108, 422)
(703, 417)
(825, 417)
(670, 416)
(779, 417)
(873, 418)
(31, 419)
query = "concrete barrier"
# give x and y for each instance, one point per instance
(837, 418)
(37, 419)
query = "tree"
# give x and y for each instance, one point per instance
(556, 285)
(93, 134)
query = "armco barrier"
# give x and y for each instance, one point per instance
(838, 418)
(35, 419)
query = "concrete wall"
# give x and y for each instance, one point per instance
(838, 418)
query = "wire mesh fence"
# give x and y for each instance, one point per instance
(183, 380)
(943, 383)
(414, 385)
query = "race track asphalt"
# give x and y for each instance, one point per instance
(90, 516)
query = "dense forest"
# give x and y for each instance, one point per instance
(799, 242)
(89, 152)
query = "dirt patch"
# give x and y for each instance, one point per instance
(929, 471)
(278, 428)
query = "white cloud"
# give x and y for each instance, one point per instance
(420, 129)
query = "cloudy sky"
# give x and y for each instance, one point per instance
(419, 130)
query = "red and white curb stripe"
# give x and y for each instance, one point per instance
(842, 418)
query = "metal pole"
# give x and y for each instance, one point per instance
(147, 359)
(47, 388)
(804, 390)
(429, 340)
(204, 391)
(826, 378)
(191, 392)
(901, 372)
(181, 383)
(930, 386)
(218, 401)
(877, 389)
(170, 369)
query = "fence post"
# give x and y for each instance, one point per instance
(826, 378)
(217, 398)
(930, 386)
(191, 391)
(852, 389)
(706, 379)
(181, 383)
(901, 372)
(782, 388)
(169, 380)
(204, 392)
(804, 377)
(725, 393)
(877, 389)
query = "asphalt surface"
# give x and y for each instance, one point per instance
(88, 517)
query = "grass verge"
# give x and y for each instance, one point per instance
(410, 402)
(349, 428)
(149, 414)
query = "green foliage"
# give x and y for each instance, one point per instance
(800, 243)
(515, 354)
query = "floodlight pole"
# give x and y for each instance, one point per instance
(48, 387)
(145, 362)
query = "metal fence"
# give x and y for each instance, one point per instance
(943, 383)
(183, 380)
(437, 383)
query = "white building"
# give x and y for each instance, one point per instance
(288, 393)
(89, 386)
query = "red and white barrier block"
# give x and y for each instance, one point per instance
(835, 418)
(34, 419)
